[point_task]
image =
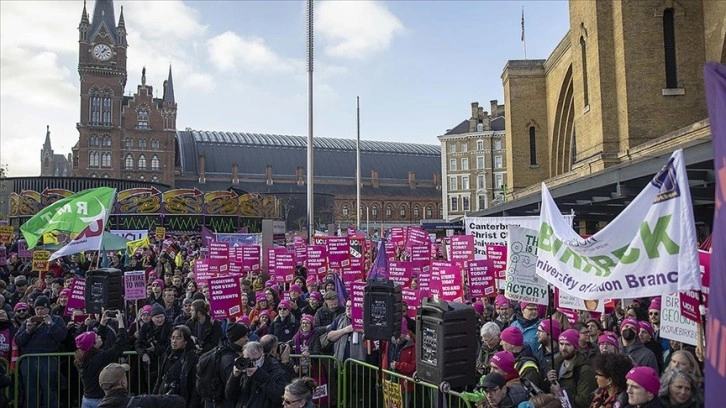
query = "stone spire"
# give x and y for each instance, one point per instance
(169, 88)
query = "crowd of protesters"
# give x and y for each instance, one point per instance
(528, 356)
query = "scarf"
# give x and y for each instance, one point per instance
(603, 400)
(301, 339)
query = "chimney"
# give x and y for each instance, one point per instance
(374, 178)
(235, 173)
(411, 180)
(202, 169)
(300, 180)
(474, 116)
(268, 174)
(437, 181)
(494, 108)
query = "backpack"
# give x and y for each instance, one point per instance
(210, 385)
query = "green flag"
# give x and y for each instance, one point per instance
(71, 214)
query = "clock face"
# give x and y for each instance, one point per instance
(102, 52)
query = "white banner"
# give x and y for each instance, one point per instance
(131, 235)
(87, 240)
(575, 303)
(648, 250)
(673, 325)
(523, 284)
(495, 230)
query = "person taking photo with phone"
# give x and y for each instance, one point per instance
(257, 380)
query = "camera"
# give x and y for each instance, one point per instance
(112, 314)
(37, 319)
(281, 348)
(243, 363)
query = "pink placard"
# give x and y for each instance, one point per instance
(397, 236)
(134, 285)
(353, 273)
(250, 256)
(481, 278)
(400, 273)
(23, 251)
(218, 257)
(413, 301)
(690, 305)
(224, 297)
(390, 251)
(77, 300)
(284, 266)
(338, 249)
(235, 267)
(461, 249)
(357, 290)
(704, 260)
(300, 250)
(449, 274)
(317, 260)
(202, 274)
(498, 255)
(420, 259)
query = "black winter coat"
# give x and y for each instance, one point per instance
(96, 360)
(120, 399)
(263, 390)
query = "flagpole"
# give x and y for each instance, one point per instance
(524, 39)
(357, 161)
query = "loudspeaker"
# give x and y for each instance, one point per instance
(104, 289)
(446, 343)
(381, 310)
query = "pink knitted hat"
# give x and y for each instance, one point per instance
(646, 377)
(504, 360)
(571, 336)
(553, 331)
(513, 336)
(85, 341)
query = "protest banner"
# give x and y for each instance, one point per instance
(448, 274)
(224, 297)
(338, 250)
(77, 299)
(317, 260)
(160, 233)
(412, 297)
(284, 266)
(239, 239)
(202, 273)
(300, 250)
(131, 235)
(134, 285)
(649, 249)
(673, 325)
(575, 303)
(415, 236)
(251, 257)
(392, 397)
(481, 278)
(690, 305)
(235, 267)
(40, 260)
(390, 251)
(522, 283)
(218, 257)
(6, 234)
(353, 272)
(397, 236)
(357, 292)
(460, 249)
(400, 273)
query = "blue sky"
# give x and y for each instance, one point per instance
(240, 65)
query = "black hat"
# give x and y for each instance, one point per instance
(157, 309)
(493, 380)
(42, 301)
(236, 331)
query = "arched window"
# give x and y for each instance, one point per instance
(402, 212)
(346, 211)
(93, 141)
(128, 143)
(669, 47)
(154, 162)
(129, 162)
(106, 110)
(93, 159)
(142, 162)
(100, 107)
(416, 212)
(142, 118)
(374, 213)
(106, 159)
(429, 212)
(389, 211)
(583, 56)
(142, 143)
(155, 144)
(532, 146)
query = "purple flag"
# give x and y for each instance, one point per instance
(715, 78)
(379, 270)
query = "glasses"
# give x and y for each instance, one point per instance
(653, 313)
(288, 402)
(21, 311)
(280, 309)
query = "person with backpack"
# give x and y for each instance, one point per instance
(215, 367)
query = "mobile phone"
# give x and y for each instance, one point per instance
(112, 313)
(37, 319)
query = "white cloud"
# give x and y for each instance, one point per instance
(229, 51)
(355, 29)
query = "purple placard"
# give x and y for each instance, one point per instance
(23, 251)
(77, 300)
(690, 305)
(338, 252)
(400, 273)
(251, 257)
(317, 260)
(398, 236)
(224, 297)
(481, 279)
(357, 290)
(449, 276)
(413, 297)
(498, 255)
(134, 285)
(3, 255)
(415, 236)
(202, 273)
(218, 257)
(461, 249)
(284, 266)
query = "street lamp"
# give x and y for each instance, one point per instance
(368, 228)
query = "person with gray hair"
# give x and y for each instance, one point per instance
(299, 393)
(680, 389)
(490, 344)
(263, 382)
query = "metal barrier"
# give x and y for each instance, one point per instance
(326, 371)
(6, 370)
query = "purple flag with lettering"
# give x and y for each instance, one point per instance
(715, 78)
(379, 270)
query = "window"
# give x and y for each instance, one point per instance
(452, 164)
(498, 162)
(452, 183)
(454, 204)
(465, 164)
(452, 148)
(128, 143)
(583, 57)
(480, 182)
(142, 143)
(106, 159)
(389, 211)
(345, 211)
(482, 202)
(465, 182)
(107, 141)
(479, 145)
(155, 144)
(532, 146)
(154, 162)
(480, 162)
(374, 212)
(129, 162)
(402, 213)
(429, 212)
(498, 180)
(464, 147)
(142, 118)
(142, 162)
(498, 144)
(669, 47)
(100, 109)
(93, 141)
(93, 159)
(416, 212)
(465, 204)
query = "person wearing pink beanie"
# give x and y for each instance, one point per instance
(505, 313)
(572, 371)
(643, 386)
(633, 347)
(608, 343)
(548, 334)
(527, 322)
(504, 364)
(527, 363)
(296, 301)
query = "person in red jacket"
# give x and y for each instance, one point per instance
(401, 357)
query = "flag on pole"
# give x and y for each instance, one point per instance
(379, 270)
(90, 239)
(522, 39)
(71, 214)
